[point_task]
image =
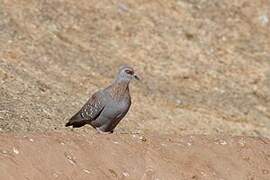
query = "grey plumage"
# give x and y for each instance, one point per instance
(107, 107)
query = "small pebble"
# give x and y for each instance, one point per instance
(70, 159)
(55, 175)
(222, 142)
(86, 171)
(125, 174)
(265, 171)
(123, 7)
(142, 138)
(178, 102)
(242, 142)
(203, 173)
(264, 19)
(4, 152)
(16, 151)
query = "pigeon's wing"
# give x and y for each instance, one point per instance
(89, 112)
(93, 107)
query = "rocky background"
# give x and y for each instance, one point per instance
(205, 66)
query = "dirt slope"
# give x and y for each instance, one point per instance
(205, 64)
(120, 156)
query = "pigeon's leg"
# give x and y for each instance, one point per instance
(102, 132)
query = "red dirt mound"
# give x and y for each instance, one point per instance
(125, 156)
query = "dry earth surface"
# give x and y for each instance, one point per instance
(124, 156)
(205, 66)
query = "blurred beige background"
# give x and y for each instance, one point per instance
(205, 64)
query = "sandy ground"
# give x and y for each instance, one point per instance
(125, 156)
(205, 66)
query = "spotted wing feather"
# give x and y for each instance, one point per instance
(92, 108)
(89, 112)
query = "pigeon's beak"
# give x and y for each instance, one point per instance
(136, 77)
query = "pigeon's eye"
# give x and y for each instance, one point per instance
(129, 72)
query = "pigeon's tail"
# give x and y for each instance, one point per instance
(76, 121)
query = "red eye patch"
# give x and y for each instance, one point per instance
(129, 72)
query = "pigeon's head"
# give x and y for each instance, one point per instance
(126, 73)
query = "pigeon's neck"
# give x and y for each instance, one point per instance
(120, 89)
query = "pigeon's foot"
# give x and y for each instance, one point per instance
(102, 132)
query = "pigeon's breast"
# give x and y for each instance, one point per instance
(124, 105)
(117, 108)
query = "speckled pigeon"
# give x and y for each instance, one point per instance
(105, 109)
